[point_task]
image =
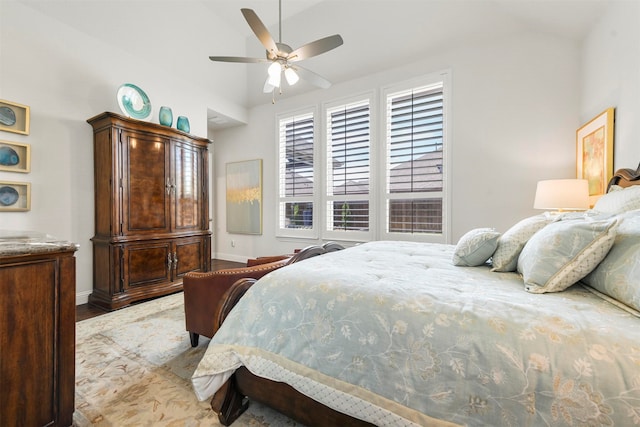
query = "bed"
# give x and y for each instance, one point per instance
(534, 326)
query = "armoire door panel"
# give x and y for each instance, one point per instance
(187, 175)
(147, 264)
(190, 256)
(148, 189)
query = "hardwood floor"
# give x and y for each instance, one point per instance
(220, 264)
(86, 311)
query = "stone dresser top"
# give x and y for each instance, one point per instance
(30, 242)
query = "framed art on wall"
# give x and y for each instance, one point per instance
(244, 197)
(594, 153)
(15, 157)
(14, 117)
(15, 196)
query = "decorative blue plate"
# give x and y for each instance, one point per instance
(7, 116)
(8, 196)
(133, 101)
(8, 156)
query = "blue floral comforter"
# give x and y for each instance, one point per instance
(393, 333)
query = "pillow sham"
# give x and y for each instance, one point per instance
(505, 258)
(564, 252)
(619, 201)
(475, 247)
(618, 275)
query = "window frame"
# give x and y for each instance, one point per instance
(350, 235)
(299, 233)
(383, 191)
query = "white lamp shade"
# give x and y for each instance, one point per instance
(562, 194)
(274, 80)
(268, 88)
(291, 76)
(274, 69)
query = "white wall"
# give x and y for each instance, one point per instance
(67, 77)
(516, 105)
(514, 110)
(611, 78)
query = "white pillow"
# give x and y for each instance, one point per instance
(619, 201)
(475, 247)
(564, 252)
(505, 258)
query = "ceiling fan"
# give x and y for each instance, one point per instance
(284, 59)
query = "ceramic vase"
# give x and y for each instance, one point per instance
(165, 117)
(183, 124)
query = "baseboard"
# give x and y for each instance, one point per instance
(82, 297)
(230, 257)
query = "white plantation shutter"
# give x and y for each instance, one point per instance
(348, 167)
(380, 171)
(415, 131)
(296, 153)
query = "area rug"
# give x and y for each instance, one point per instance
(133, 368)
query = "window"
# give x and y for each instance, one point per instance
(348, 168)
(344, 175)
(414, 166)
(296, 163)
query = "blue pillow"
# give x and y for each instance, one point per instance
(618, 275)
(564, 252)
(475, 247)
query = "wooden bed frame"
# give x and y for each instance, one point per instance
(625, 177)
(234, 396)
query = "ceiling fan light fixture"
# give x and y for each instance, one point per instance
(274, 69)
(274, 79)
(268, 88)
(291, 76)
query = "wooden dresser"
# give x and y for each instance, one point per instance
(37, 330)
(151, 209)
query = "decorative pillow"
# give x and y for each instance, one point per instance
(618, 275)
(505, 258)
(564, 252)
(619, 201)
(476, 247)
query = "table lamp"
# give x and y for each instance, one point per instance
(562, 195)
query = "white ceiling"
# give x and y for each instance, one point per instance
(381, 34)
(378, 34)
(570, 18)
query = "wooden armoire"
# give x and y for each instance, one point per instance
(151, 209)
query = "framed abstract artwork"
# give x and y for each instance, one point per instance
(15, 196)
(244, 197)
(14, 117)
(594, 153)
(15, 157)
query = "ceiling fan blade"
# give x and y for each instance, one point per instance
(312, 77)
(260, 31)
(315, 48)
(237, 59)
